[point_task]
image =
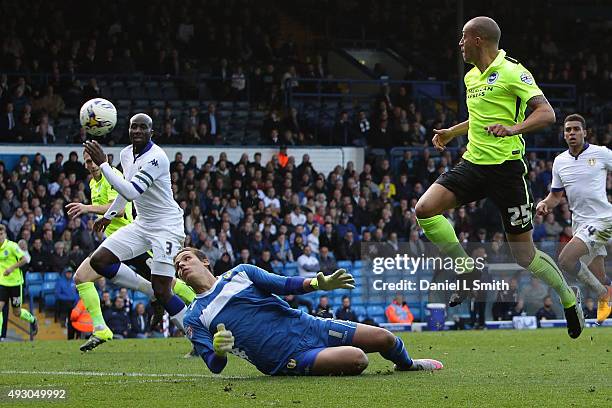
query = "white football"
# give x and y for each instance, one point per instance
(98, 116)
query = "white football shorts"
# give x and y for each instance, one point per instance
(135, 239)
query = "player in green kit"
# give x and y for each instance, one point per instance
(498, 89)
(102, 195)
(11, 280)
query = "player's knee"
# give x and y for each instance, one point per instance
(359, 362)
(387, 339)
(423, 210)
(17, 311)
(97, 262)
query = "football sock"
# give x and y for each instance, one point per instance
(586, 277)
(543, 267)
(398, 354)
(127, 278)
(1, 319)
(26, 315)
(184, 292)
(439, 231)
(91, 300)
(176, 309)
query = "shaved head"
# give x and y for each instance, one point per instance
(142, 118)
(485, 28)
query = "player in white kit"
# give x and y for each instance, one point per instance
(581, 172)
(159, 223)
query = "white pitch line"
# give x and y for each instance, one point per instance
(107, 374)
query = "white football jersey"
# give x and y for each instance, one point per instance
(584, 179)
(149, 173)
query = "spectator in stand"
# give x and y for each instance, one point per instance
(282, 249)
(296, 301)
(327, 262)
(308, 264)
(329, 238)
(80, 322)
(553, 228)
(363, 130)
(59, 258)
(345, 312)
(66, 295)
(140, 327)
(348, 249)
(324, 309)
(223, 265)
(212, 120)
(244, 257)
(117, 319)
(539, 229)
(9, 204)
(106, 302)
(264, 261)
(546, 312)
(589, 309)
(506, 302)
(398, 311)
(8, 123)
(532, 296)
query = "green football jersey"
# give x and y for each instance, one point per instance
(10, 254)
(497, 95)
(103, 193)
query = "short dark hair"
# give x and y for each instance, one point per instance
(199, 254)
(345, 297)
(575, 117)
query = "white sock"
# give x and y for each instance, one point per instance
(177, 319)
(586, 277)
(127, 278)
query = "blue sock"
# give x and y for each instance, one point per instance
(174, 305)
(110, 271)
(398, 354)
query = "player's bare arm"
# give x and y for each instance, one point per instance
(542, 115)
(443, 136)
(551, 201)
(18, 264)
(78, 209)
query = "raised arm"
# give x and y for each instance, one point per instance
(281, 285)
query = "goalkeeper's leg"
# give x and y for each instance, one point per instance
(342, 360)
(375, 339)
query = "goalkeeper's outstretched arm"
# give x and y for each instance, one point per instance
(295, 285)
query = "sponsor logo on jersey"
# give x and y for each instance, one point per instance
(526, 78)
(189, 332)
(291, 364)
(492, 78)
(591, 162)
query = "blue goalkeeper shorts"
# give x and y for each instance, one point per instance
(321, 334)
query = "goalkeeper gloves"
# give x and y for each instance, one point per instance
(340, 279)
(223, 341)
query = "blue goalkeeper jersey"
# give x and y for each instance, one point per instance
(267, 331)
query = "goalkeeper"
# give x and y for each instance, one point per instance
(238, 313)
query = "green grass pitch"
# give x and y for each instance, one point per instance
(502, 368)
